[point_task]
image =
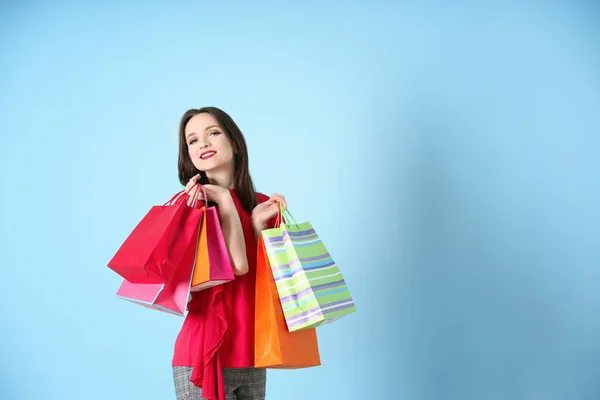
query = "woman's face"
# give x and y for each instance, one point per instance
(208, 145)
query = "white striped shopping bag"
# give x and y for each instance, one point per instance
(310, 285)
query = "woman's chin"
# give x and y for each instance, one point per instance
(209, 167)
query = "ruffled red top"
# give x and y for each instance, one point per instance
(218, 331)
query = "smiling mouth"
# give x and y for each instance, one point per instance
(207, 155)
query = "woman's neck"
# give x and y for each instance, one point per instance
(223, 177)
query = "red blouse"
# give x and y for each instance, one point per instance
(218, 331)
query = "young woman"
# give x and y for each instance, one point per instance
(214, 351)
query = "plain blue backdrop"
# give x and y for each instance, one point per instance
(448, 156)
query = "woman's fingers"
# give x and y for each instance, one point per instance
(280, 199)
(192, 193)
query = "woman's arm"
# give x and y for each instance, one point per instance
(258, 228)
(234, 235)
(229, 220)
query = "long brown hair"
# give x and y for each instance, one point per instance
(242, 179)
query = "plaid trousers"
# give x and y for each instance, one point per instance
(240, 384)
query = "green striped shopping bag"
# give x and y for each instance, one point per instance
(310, 285)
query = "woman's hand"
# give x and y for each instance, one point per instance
(264, 211)
(215, 193)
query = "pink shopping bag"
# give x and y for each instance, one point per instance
(213, 264)
(171, 297)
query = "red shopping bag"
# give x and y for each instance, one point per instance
(152, 252)
(171, 297)
(213, 264)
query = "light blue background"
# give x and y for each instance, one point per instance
(447, 155)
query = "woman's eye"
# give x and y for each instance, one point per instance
(193, 141)
(215, 133)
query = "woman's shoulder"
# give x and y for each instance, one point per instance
(261, 197)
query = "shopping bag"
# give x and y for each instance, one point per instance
(213, 264)
(154, 249)
(311, 288)
(171, 297)
(274, 345)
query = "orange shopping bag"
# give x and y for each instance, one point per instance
(274, 345)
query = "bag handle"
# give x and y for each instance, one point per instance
(282, 216)
(187, 192)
